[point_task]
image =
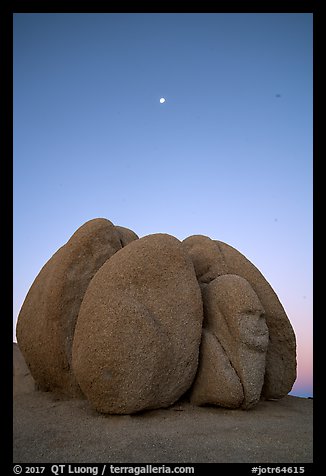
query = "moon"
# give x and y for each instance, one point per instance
(162, 100)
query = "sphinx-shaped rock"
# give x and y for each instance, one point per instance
(213, 258)
(235, 317)
(138, 332)
(280, 371)
(216, 382)
(48, 316)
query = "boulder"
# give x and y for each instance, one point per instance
(126, 235)
(47, 319)
(280, 372)
(206, 257)
(23, 382)
(212, 258)
(234, 316)
(216, 382)
(138, 332)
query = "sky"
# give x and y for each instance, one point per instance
(227, 155)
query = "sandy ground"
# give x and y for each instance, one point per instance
(51, 430)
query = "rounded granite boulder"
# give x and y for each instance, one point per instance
(126, 235)
(206, 257)
(214, 258)
(47, 319)
(22, 380)
(281, 363)
(235, 320)
(138, 332)
(216, 382)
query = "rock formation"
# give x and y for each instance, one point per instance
(138, 333)
(47, 320)
(23, 382)
(134, 324)
(213, 258)
(281, 353)
(235, 317)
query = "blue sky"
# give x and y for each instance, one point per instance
(228, 155)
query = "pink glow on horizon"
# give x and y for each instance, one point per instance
(297, 302)
(304, 382)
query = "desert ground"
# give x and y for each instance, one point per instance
(51, 429)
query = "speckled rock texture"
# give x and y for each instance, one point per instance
(48, 316)
(214, 258)
(137, 337)
(235, 318)
(23, 382)
(281, 361)
(126, 235)
(206, 257)
(216, 382)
